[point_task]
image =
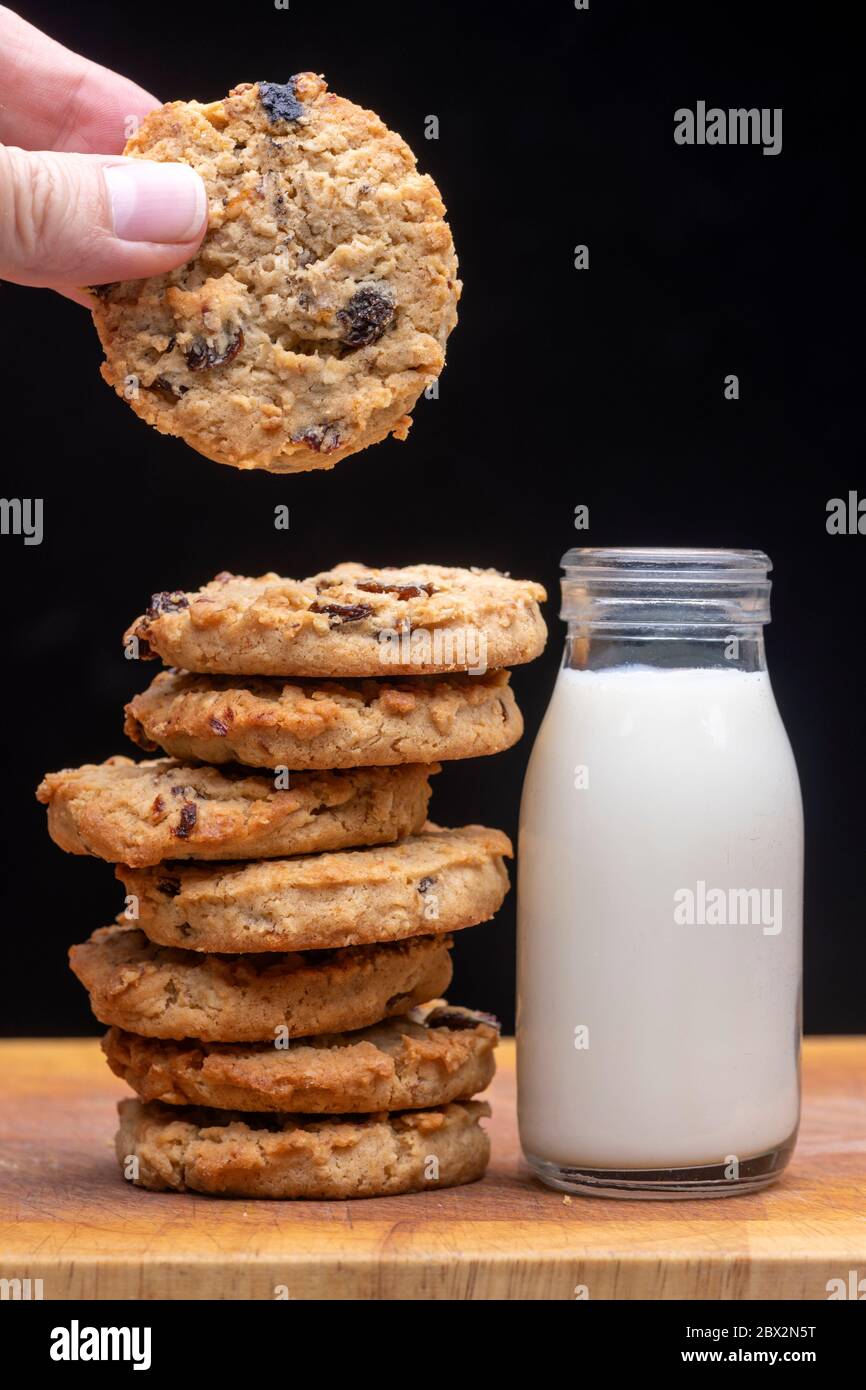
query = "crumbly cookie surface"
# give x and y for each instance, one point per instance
(243, 1155)
(435, 1054)
(142, 813)
(263, 722)
(318, 306)
(352, 620)
(165, 993)
(436, 881)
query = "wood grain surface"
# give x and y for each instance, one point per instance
(67, 1217)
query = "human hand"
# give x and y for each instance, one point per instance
(75, 212)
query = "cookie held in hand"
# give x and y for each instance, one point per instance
(318, 306)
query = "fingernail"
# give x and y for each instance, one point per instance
(155, 202)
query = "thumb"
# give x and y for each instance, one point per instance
(70, 220)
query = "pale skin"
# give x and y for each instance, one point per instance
(73, 211)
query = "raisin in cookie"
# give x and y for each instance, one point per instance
(242, 1155)
(165, 993)
(141, 813)
(348, 621)
(432, 1056)
(438, 881)
(325, 724)
(318, 306)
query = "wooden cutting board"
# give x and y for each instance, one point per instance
(68, 1218)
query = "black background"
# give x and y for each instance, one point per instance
(562, 387)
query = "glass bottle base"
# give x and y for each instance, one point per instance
(667, 1184)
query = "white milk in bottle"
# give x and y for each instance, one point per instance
(660, 887)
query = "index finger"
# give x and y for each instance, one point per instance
(53, 99)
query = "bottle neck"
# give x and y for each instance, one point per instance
(672, 609)
(592, 649)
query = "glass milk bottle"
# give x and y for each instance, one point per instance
(660, 880)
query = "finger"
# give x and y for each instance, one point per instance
(70, 220)
(85, 298)
(54, 99)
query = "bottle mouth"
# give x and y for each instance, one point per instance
(642, 587)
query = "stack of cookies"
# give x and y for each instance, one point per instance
(273, 983)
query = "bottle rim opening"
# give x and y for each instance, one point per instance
(673, 561)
